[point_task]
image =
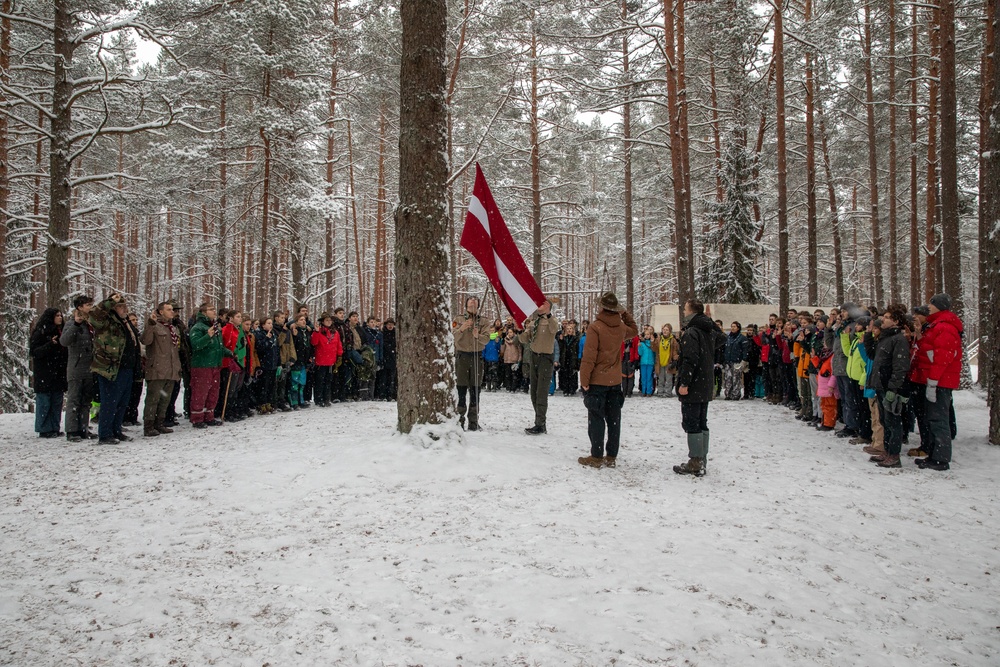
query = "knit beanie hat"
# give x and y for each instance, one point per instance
(610, 302)
(941, 301)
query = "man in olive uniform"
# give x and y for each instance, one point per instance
(539, 335)
(470, 339)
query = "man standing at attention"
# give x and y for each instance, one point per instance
(470, 339)
(539, 334)
(700, 342)
(601, 380)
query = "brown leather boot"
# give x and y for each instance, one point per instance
(149, 430)
(694, 467)
(163, 429)
(609, 462)
(592, 461)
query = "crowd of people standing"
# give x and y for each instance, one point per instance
(227, 365)
(884, 373)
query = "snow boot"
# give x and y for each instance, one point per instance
(149, 430)
(461, 416)
(535, 430)
(916, 451)
(890, 462)
(609, 462)
(927, 464)
(473, 417)
(592, 461)
(695, 466)
(163, 428)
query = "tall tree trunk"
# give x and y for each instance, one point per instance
(682, 236)
(682, 122)
(627, 146)
(779, 85)
(452, 82)
(894, 285)
(989, 244)
(872, 158)
(425, 343)
(987, 100)
(354, 216)
(831, 191)
(536, 188)
(5, 29)
(221, 219)
(380, 254)
(930, 237)
(914, 217)
(60, 192)
(263, 278)
(811, 224)
(331, 146)
(950, 238)
(716, 132)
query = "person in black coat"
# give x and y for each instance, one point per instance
(49, 360)
(890, 370)
(385, 381)
(701, 343)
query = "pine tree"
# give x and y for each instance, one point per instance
(732, 277)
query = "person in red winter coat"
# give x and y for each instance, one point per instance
(630, 361)
(938, 363)
(328, 350)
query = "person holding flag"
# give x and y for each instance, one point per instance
(470, 339)
(487, 238)
(539, 334)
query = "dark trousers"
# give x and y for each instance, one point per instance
(323, 384)
(863, 414)
(777, 383)
(265, 387)
(892, 426)
(307, 390)
(791, 382)
(135, 395)
(938, 418)
(171, 409)
(230, 400)
(604, 410)
(694, 417)
(281, 389)
(115, 395)
(541, 378)
(750, 382)
(78, 398)
(385, 384)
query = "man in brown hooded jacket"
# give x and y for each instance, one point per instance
(600, 379)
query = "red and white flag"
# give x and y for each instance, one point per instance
(486, 236)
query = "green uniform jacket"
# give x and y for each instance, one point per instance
(206, 351)
(109, 340)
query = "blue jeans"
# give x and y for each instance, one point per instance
(48, 411)
(114, 402)
(646, 379)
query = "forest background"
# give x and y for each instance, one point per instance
(741, 151)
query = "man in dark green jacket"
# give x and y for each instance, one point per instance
(207, 353)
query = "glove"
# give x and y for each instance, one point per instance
(744, 366)
(890, 397)
(932, 391)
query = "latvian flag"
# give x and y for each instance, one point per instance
(486, 236)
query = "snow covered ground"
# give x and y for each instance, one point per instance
(319, 538)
